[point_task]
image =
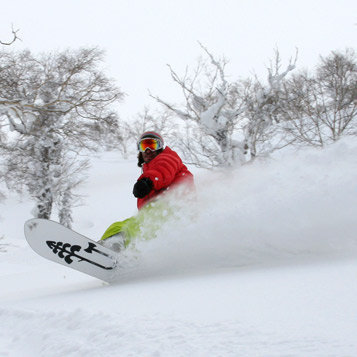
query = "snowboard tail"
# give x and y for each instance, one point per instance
(59, 244)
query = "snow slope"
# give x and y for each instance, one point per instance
(263, 264)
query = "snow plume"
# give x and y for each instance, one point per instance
(281, 211)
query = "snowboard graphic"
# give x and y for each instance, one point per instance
(55, 242)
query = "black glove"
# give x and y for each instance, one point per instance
(142, 187)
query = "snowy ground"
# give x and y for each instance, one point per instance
(267, 266)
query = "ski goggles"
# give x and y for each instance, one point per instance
(149, 143)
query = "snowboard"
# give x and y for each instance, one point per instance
(62, 245)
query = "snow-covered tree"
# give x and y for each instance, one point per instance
(322, 106)
(211, 112)
(6, 43)
(226, 120)
(264, 103)
(54, 107)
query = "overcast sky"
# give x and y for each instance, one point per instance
(141, 37)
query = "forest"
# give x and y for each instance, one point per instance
(58, 108)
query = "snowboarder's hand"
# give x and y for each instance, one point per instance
(142, 187)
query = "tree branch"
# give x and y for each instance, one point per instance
(14, 38)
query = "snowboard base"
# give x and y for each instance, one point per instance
(62, 245)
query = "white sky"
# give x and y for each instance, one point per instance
(141, 36)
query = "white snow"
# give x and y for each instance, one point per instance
(264, 264)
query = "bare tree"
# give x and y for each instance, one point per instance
(56, 107)
(322, 106)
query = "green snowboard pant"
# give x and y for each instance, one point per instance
(129, 227)
(144, 225)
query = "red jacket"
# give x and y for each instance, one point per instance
(165, 170)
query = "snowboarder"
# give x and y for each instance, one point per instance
(162, 169)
